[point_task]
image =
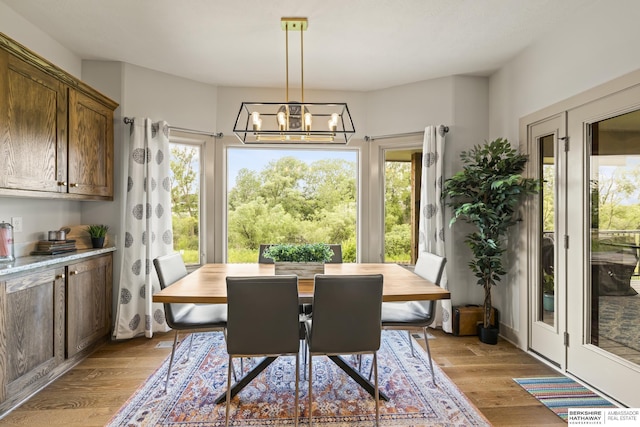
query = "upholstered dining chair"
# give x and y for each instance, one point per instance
(337, 254)
(346, 320)
(171, 268)
(404, 315)
(262, 321)
(261, 258)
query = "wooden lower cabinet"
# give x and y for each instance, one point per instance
(88, 303)
(49, 320)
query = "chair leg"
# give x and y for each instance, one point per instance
(173, 352)
(190, 343)
(377, 393)
(304, 359)
(226, 422)
(310, 389)
(297, 387)
(426, 341)
(235, 376)
(411, 344)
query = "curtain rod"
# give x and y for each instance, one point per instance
(442, 129)
(129, 121)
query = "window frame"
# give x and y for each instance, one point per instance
(200, 141)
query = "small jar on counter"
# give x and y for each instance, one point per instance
(6, 242)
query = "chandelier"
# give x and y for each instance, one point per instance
(294, 122)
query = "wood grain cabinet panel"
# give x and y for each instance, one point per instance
(32, 342)
(90, 146)
(33, 145)
(88, 302)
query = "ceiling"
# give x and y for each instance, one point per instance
(359, 45)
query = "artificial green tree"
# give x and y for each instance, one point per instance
(486, 193)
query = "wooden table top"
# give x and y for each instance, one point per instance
(208, 283)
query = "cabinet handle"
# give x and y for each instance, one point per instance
(62, 183)
(60, 276)
(73, 184)
(73, 272)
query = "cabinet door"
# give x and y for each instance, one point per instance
(33, 126)
(32, 343)
(88, 302)
(90, 164)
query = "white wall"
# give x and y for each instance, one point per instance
(160, 96)
(596, 45)
(469, 127)
(30, 36)
(410, 107)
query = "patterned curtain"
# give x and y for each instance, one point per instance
(148, 230)
(431, 225)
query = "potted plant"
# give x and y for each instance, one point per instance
(486, 194)
(98, 232)
(305, 260)
(548, 291)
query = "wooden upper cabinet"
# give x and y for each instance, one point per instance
(90, 166)
(56, 132)
(33, 145)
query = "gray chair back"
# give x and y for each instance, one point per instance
(261, 258)
(429, 266)
(337, 254)
(262, 315)
(170, 269)
(346, 314)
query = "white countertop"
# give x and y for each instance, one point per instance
(31, 262)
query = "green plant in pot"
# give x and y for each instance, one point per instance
(304, 260)
(486, 194)
(97, 232)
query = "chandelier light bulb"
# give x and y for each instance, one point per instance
(256, 121)
(307, 121)
(282, 120)
(333, 122)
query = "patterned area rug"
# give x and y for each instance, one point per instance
(561, 393)
(618, 319)
(268, 400)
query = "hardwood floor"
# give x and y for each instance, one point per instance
(94, 390)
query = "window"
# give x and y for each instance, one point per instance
(290, 196)
(401, 196)
(186, 186)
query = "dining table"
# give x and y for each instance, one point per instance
(207, 285)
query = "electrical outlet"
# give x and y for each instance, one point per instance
(16, 221)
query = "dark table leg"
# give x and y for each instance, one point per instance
(353, 373)
(239, 385)
(358, 377)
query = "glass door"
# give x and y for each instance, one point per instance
(604, 232)
(547, 293)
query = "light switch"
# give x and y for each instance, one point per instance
(16, 221)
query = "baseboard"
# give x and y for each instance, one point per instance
(512, 336)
